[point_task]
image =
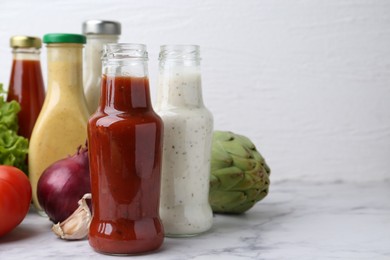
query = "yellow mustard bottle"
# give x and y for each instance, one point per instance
(62, 123)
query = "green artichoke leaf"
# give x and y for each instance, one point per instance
(248, 181)
(258, 174)
(226, 200)
(244, 141)
(257, 194)
(228, 177)
(239, 175)
(242, 207)
(220, 158)
(223, 135)
(234, 148)
(214, 182)
(244, 163)
(258, 157)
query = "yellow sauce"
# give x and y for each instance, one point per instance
(62, 124)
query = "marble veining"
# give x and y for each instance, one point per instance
(298, 220)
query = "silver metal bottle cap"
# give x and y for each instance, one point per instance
(101, 27)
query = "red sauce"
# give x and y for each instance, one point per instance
(125, 145)
(26, 87)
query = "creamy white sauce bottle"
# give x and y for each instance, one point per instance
(98, 33)
(188, 126)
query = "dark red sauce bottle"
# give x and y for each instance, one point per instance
(26, 82)
(125, 147)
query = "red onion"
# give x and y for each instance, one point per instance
(63, 184)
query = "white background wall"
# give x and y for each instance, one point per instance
(307, 80)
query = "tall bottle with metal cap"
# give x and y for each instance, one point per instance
(61, 126)
(98, 33)
(26, 82)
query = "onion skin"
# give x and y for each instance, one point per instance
(63, 184)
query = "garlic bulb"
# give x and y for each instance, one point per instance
(76, 225)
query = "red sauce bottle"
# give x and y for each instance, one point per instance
(26, 82)
(125, 146)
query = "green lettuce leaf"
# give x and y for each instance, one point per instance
(13, 148)
(8, 112)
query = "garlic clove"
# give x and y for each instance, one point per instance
(76, 225)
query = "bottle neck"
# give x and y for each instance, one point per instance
(64, 62)
(125, 94)
(125, 83)
(26, 54)
(179, 84)
(93, 52)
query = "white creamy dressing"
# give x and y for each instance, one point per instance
(188, 126)
(93, 68)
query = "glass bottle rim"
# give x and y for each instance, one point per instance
(179, 52)
(119, 51)
(180, 47)
(27, 50)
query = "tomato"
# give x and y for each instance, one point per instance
(15, 197)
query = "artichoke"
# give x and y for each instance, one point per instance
(239, 174)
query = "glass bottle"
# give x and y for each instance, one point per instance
(61, 126)
(98, 33)
(125, 143)
(188, 126)
(26, 82)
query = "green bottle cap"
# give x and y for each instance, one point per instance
(64, 38)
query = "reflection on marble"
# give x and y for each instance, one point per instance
(298, 220)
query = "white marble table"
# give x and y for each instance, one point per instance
(298, 220)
